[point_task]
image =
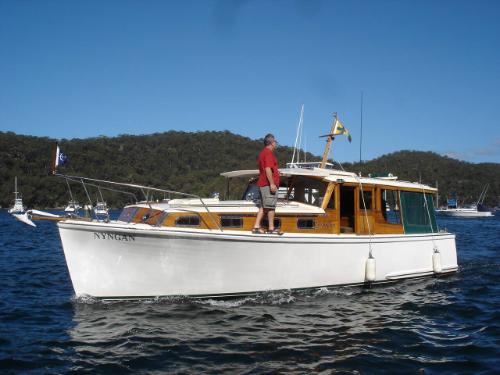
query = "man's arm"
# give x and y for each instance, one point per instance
(269, 175)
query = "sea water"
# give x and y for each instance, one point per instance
(432, 325)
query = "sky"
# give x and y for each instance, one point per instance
(429, 71)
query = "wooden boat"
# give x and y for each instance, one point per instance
(337, 231)
(205, 247)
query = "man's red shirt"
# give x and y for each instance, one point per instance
(267, 159)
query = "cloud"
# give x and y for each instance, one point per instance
(489, 151)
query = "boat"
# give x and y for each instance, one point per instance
(476, 210)
(101, 209)
(337, 231)
(73, 207)
(18, 211)
(18, 207)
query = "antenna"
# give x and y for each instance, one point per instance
(361, 136)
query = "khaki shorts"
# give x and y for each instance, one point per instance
(268, 199)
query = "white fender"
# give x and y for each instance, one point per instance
(436, 262)
(370, 269)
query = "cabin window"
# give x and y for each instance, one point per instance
(277, 222)
(367, 195)
(306, 190)
(305, 223)
(187, 221)
(389, 206)
(418, 212)
(128, 214)
(231, 222)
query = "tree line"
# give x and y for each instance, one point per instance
(192, 162)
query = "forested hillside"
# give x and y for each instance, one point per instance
(191, 162)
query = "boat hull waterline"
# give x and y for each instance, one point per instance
(120, 261)
(464, 213)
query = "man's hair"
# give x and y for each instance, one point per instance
(268, 139)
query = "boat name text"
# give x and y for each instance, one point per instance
(113, 236)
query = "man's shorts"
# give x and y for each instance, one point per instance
(268, 199)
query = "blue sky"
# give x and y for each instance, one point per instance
(429, 70)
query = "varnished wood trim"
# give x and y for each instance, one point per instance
(329, 190)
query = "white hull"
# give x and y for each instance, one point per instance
(464, 213)
(101, 212)
(122, 261)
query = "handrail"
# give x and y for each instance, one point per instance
(141, 187)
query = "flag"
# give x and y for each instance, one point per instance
(341, 129)
(61, 158)
(58, 158)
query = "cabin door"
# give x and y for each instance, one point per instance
(347, 209)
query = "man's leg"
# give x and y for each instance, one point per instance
(260, 215)
(270, 217)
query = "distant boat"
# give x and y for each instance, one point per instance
(73, 207)
(476, 210)
(18, 207)
(101, 209)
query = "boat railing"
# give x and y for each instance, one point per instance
(147, 191)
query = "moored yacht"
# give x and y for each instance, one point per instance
(476, 210)
(101, 209)
(18, 207)
(73, 207)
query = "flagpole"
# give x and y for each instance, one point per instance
(329, 141)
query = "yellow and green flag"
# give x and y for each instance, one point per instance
(341, 129)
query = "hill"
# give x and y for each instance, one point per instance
(191, 162)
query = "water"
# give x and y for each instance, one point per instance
(445, 325)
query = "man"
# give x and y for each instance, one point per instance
(268, 182)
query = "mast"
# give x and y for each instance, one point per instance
(437, 195)
(299, 126)
(15, 188)
(329, 140)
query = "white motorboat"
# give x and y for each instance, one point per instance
(73, 207)
(467, 212)
(18, 207)
(335, 224)
(474, 211)
(101, 209)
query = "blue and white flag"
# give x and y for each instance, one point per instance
(58, 158)
(61, 158)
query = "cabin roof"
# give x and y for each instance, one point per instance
(335, 175)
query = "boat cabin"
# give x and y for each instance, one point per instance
(310, 201)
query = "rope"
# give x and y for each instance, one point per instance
(366, 217)
(434, 246)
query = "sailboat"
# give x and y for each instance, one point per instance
(18, 207)
(18, 210)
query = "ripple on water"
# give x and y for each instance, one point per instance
(433, 325)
